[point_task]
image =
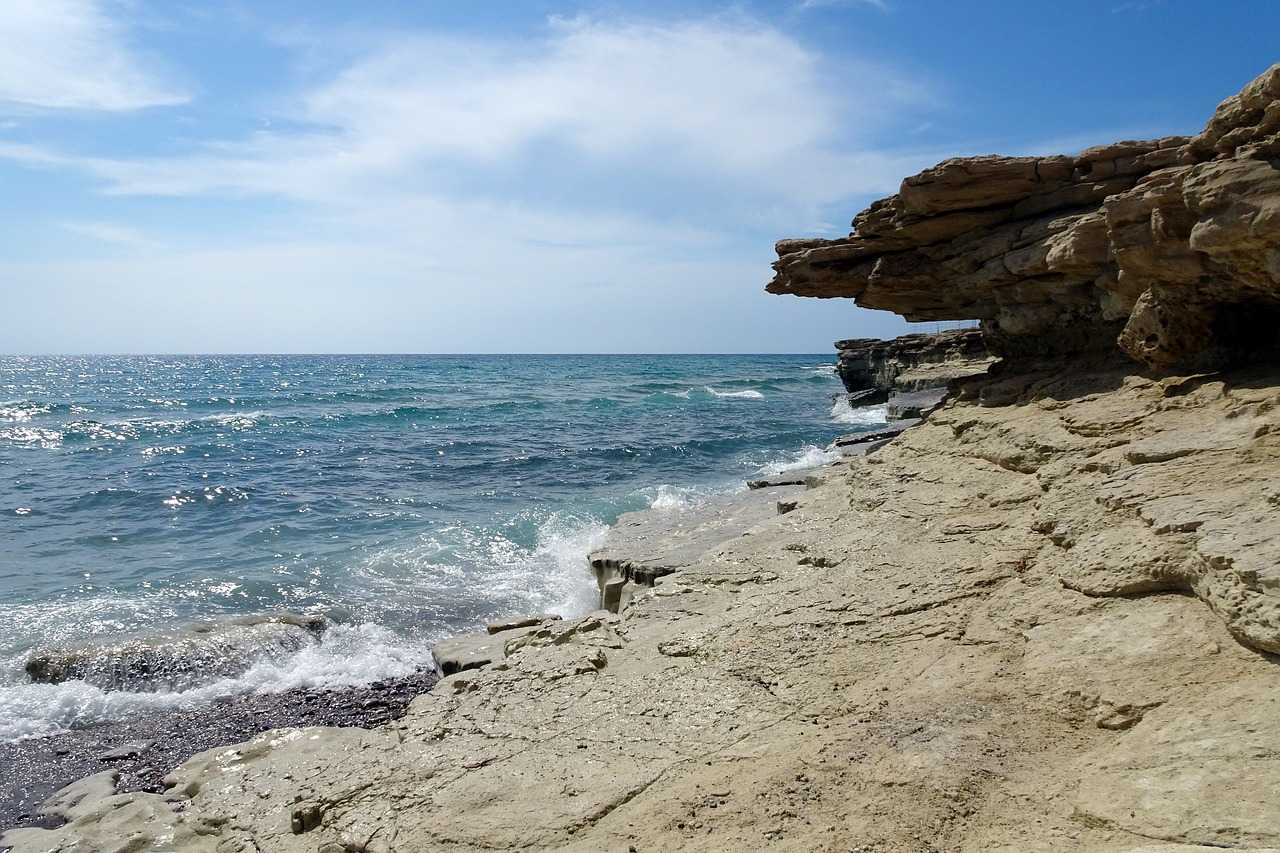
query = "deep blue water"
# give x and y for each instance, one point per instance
(406, 497)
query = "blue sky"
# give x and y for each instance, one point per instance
(310, 176)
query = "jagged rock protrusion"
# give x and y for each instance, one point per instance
(911, 362)
(1168, 248)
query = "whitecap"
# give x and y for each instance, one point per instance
(49, 439)
(17, 411)
(749, 394)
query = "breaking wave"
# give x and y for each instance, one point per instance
(843, 413)
(347, 655)
(810, 456)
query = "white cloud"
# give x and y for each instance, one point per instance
(712, 101)
(113, 233)
(72, 54)
(613, 182)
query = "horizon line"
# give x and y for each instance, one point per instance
(399, 354)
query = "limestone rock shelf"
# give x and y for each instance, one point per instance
(911, 362)
(645, 546)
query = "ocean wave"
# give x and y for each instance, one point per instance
(749, 394)
(346, 656)
(465, 574)
(129, 429)
(669, 497)
(810, 456)
(842, 412)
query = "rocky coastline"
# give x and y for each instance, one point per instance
(1045, 617)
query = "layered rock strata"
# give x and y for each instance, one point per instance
(1169, 247)
(911, 362)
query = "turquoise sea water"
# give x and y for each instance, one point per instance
(405, 497)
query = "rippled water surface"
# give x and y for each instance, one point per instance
(404, 497)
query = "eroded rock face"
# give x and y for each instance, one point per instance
(1169, 247)
(911, 362)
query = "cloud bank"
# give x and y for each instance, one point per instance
(71, 54)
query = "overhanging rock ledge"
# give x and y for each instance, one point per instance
(1168, 247)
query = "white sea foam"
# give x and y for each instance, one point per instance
(810, 456)
(487, 573)
(842, 412)
(561, 561)
(347, 655)
(684, 395)
(669, 497)
(749, 394)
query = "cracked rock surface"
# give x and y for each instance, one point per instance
(1040, 621)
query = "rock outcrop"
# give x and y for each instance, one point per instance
(1169, 248)
(643, 547)
(911, 362)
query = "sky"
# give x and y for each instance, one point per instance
(423, 176)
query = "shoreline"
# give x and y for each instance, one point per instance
(142, 749)
(894, 659)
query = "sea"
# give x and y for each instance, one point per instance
(404, 498)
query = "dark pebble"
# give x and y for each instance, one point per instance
(145, 749)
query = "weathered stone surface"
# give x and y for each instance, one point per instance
(794, 477)
(913, 404)
(911, 362)
(1169, 248)
(511, 622)
(471, 651)
(645, 546)
(892, 429)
